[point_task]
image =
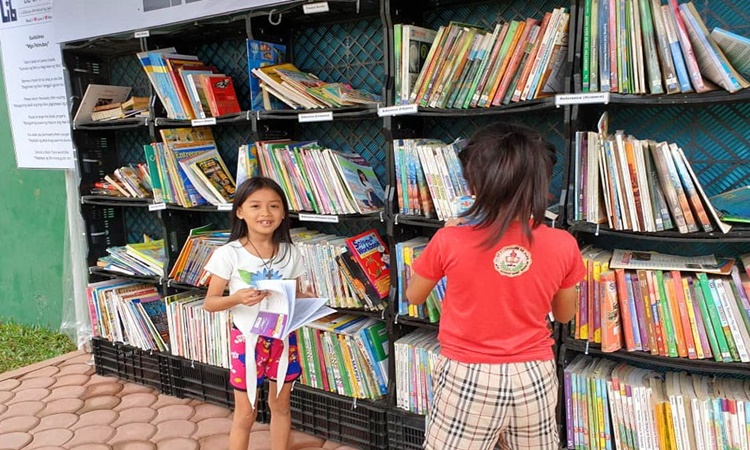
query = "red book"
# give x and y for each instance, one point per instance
(220, 94)
(624, 301)
(371, 253)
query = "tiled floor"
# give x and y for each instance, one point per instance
(62, 404)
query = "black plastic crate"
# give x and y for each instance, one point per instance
(208, 383)
(405, 430)
(362, 424)
(132, 364)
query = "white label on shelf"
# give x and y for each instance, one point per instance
(203, 122)
(585, 98)
(315, 8)
(316, 117)
(318, 218)
(157, 206)
(398, 110)
(224, 206)
(142, 34)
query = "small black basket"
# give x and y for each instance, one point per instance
(132, 364)
(362, 424)
(405, 430)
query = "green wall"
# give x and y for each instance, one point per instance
(32, 236)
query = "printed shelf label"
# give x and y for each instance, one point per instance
(318, 218)
(224, 206)
(316, 117)
(398, 110)
(316, 8)
(157, 206)
(584, 98)
(142, 34)
(203, 122)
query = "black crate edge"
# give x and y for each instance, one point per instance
(132, 364)
(405, 430)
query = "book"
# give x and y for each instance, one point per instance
(134, 106)
(219, 91)
(360, 181)
(371, 253)
(98, 95)
(259, 54)
(281, 312)
(734, 205)
(735, 47)
(626, 259)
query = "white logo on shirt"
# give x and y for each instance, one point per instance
(512, 261)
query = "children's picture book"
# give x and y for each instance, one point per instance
(222, 99)
(97, 96)
(360, 181)
(281, 312)
(261, 54)
(734, 205)
(371, 253)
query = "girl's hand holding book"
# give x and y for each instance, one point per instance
(248, 296)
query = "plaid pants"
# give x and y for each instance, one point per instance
(479, 405)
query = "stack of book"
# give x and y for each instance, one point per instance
(144, 258)
(469, 67)
(429, 181)
(406, 253)
(643, 46)
(127, 182)
(611, 405)
(133, 107)
(196, 334)
(416, 357)
(301, 90)
(639, 185)
(319, 179)
(333, 273)
(346, 355)
(187, 169)
(687, 307)
(196, 252)
(188, 88)
(128, 312)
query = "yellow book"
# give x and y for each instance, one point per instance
(691, 315)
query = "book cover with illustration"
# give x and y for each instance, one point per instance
(261, 54)
(371, 253)
(222, 99)
(361, 183)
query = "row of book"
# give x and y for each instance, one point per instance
(195, 333)
(129, 312)
(103, 102)
(136, 259)
(639, 185)
(335, 273)
(187, 169)
(188, 88)
(345, 354)
(429, 180)
(406, 253)
(416, 357)
(467, 66)
(319, 179)
(126, 182)
(675, 313)
(199, 246)
(644, 46)
(610, 405)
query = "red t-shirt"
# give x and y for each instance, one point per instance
(497, 300)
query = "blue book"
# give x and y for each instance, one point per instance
(677, 57)
(261, 54)
(734, 205)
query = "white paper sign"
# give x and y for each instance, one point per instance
(35, 86)
(315, 117)
(315, 8)
(398, 110)
(585, 98)
(318, 218)
(84, 19)
(203, 122)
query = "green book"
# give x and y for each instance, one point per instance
(153, 172)
(713, 313)
(666, 314)
(397, 63)
(713, 341)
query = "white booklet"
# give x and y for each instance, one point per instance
(281, 312)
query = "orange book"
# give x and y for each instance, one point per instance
(687, 330)
(624, 301)
(674, 310)
(174, 65)
(640, 203)
(610, 317)
(515, 62)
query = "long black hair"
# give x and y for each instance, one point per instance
(508, 169)
(245, 190)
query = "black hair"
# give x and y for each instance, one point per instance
(245, 190)
(361, 174)
(508, 169)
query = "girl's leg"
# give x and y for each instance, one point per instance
(242, 423)
(281, 417)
